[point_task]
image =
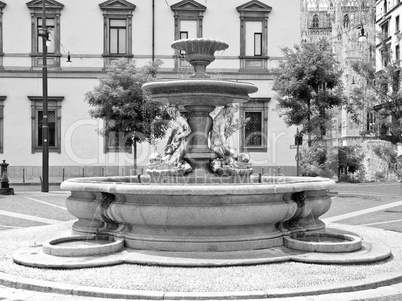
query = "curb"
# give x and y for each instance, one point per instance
(76, 290)
(32, 184)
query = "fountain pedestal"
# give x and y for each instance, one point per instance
(198, 154)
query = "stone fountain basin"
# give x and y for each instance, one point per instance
(83, 245)
(324, 242)
(195, 217)
(200, 92)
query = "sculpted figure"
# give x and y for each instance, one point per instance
(218, 130)
(176, 144)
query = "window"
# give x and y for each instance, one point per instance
(396, 81)
(370, 122)
(54, 125)
(51, 117)
(254, 35)
(117, 142)
(385, 30)
(183, 36)
(188, 24)
(50, 30)
(253, 130)
(53, 12)
(2, 5)
(117, 24)
(397, 24)
(346, 21)
(188, 16)
(118, 33)
(397, 54)
(385, 55)
(316, 22)
(257, 43)
(254, 134)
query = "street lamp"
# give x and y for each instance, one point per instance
(45, 127)
(298, 143)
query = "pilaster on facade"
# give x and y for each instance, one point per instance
(2, 6)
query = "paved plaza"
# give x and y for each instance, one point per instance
(369, 206)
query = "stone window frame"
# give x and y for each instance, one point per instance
(53, 11)
(259, 104)
(118, 10)
(2, 6)
(54, 104)
(186, 10)
(253, 11)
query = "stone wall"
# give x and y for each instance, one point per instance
(376, 168)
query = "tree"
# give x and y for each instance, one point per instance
(308, 84)
(385, 94)
(125, 109)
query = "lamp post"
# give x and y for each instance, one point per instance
(298, 143)
(45, 126)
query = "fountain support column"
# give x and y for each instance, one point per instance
(198, 153)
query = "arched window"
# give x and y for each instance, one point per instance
(346, 21)
(316, 22)
(385, 7)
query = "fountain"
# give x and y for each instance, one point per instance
(200, 203)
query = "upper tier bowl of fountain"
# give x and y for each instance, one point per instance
(200, 90)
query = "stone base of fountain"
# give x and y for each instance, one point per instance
(38, 256)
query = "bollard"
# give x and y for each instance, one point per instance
(5, 187)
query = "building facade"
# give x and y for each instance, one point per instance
(388, 14)
(349, 25)
(93, 33)
(388, 55)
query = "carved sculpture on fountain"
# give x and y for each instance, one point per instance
(227, 163)
(218, 157)
(173, 163)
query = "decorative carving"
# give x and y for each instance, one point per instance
(302, 211)
(172, 163)
(299, 198)
(107, 199)
(227, 162)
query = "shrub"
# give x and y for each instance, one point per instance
(344, 161)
